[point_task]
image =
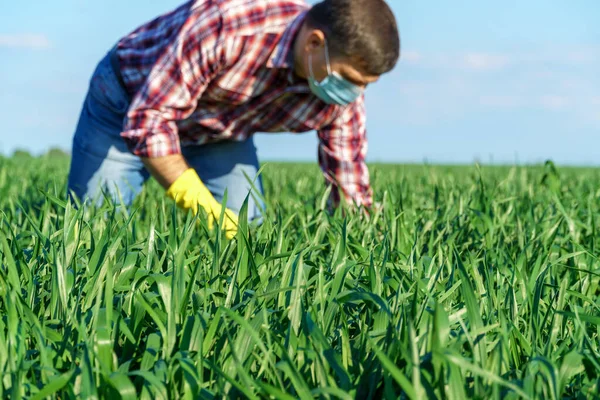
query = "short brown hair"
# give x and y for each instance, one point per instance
(364, 30)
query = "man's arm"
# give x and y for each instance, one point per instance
(170, 94)
(183, 185)
(166, 169)
(342, 153)
(173, 87)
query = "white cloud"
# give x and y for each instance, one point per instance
(554, 102)
(485, 61)
(575, 56)
(541, 58)
(595, 109)
(470, 61)
(411, 57)
(502, 101)
(582, 56)
(454, 85)
(25, 41)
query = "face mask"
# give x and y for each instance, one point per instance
(334, 89)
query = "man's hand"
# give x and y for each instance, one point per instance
(185, 187)
(189, 192)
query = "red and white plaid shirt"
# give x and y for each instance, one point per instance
(215, 70)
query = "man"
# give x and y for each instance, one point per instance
(180, 97)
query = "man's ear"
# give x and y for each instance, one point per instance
(315, 40)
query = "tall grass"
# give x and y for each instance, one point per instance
(473, 282)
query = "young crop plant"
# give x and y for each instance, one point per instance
(469, 283)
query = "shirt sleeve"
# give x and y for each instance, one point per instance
(172, 89)
(342, 152)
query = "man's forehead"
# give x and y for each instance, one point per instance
(352, 72)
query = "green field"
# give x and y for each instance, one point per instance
(473, 282)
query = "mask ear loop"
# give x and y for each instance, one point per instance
(327, 58)
(310, 68)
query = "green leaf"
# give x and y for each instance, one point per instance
(54, 386)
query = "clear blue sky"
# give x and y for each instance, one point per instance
(503, 81)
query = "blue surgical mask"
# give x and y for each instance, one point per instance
(334, 89)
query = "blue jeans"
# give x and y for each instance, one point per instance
(101, 160)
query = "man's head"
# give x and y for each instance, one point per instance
(360, 38)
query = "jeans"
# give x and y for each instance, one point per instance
(101, 160)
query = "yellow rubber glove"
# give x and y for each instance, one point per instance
(189, 193)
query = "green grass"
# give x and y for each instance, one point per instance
(471, 283)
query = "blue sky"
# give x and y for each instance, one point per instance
(502, 82)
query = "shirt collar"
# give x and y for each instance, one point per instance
(283, 54)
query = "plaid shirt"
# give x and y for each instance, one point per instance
(215, 70)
